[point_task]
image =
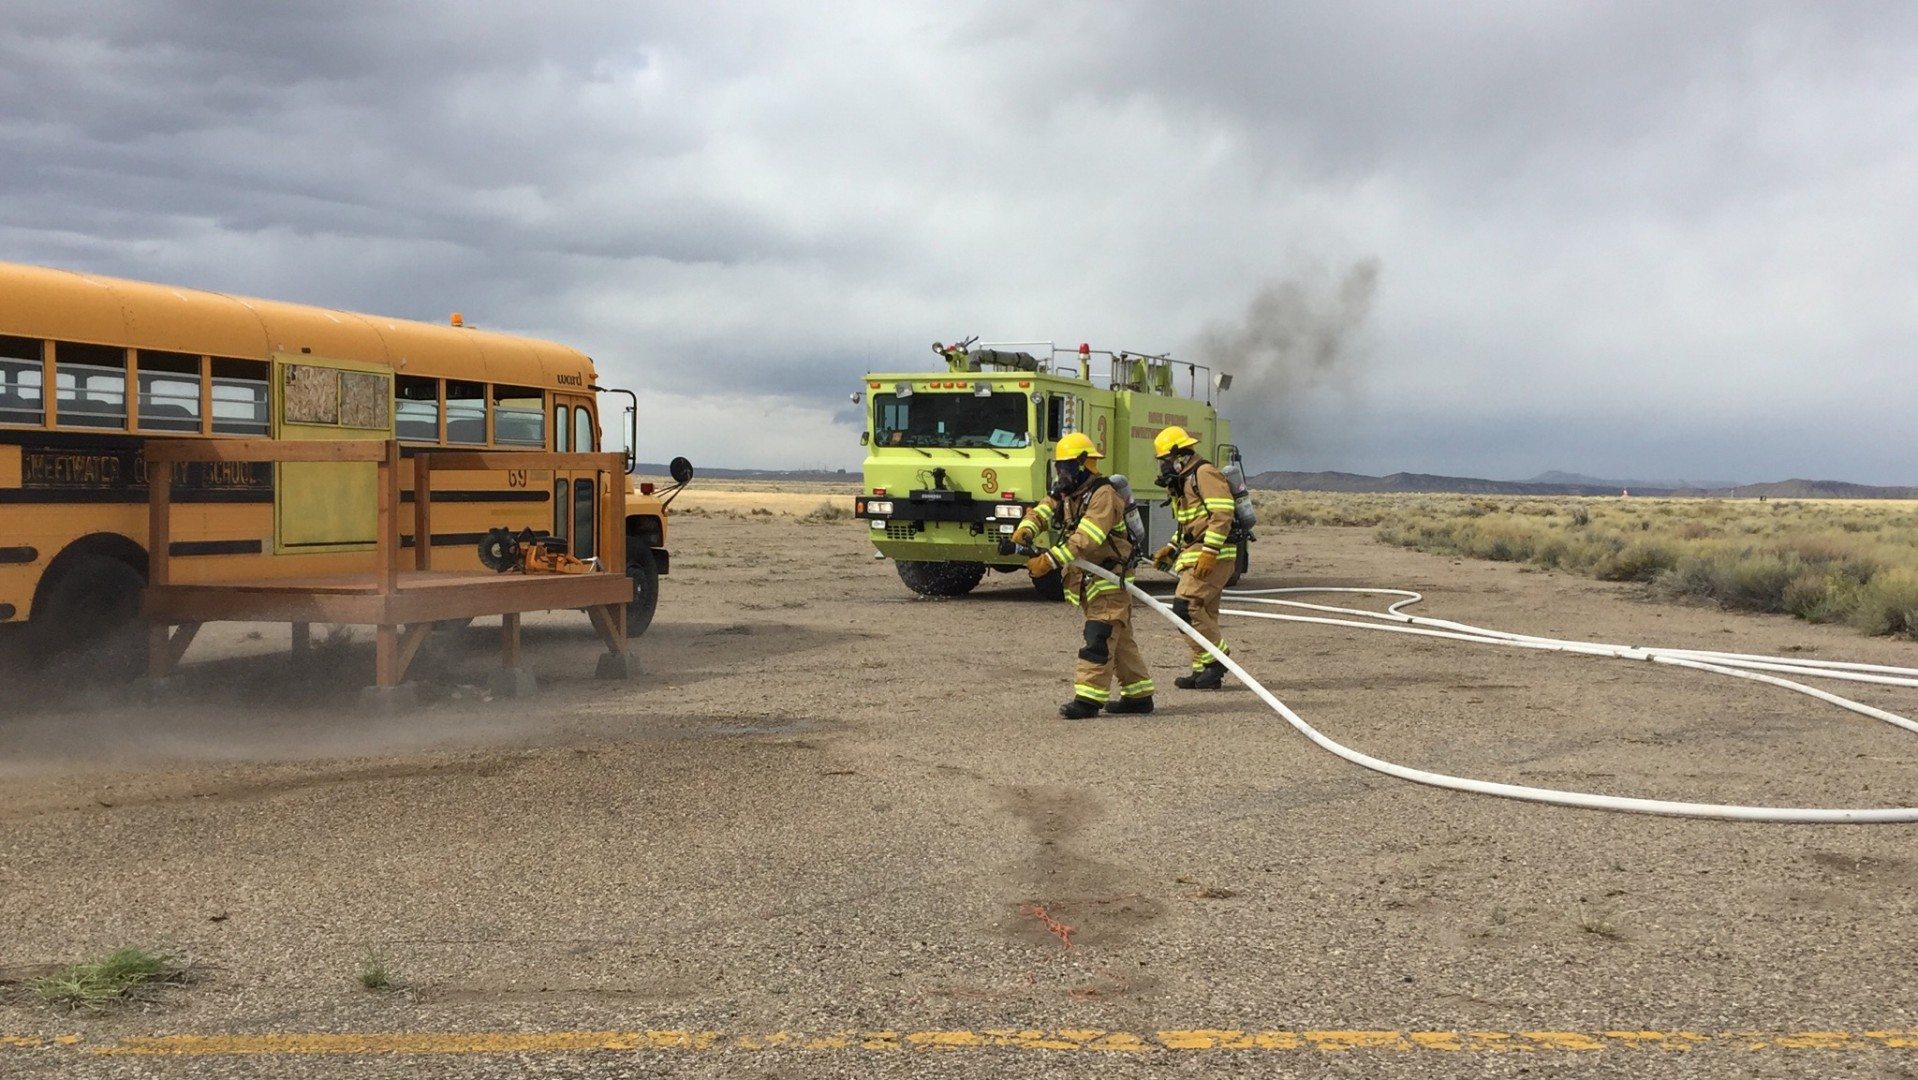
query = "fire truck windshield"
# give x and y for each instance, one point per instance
(997, 420)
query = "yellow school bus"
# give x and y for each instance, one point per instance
(91, 367)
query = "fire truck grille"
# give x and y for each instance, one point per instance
(900, 530)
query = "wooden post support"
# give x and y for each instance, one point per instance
(157, 651)
(386, 656)
(159, 520)
(422, 511)
(166, 646)
(509, 640)
(389, 519)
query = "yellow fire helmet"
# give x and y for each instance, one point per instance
(1172, 438)
(1074, 446)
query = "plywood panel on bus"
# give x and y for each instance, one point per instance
(328, 506)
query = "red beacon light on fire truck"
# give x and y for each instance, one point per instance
(1085, 349)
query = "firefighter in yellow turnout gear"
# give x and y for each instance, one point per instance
(1204, 550)
(1090, 518)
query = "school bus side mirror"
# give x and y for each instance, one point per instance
(681, 470)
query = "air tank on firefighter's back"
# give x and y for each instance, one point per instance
(1134, 520)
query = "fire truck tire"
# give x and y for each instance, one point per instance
(1243, 564)
(91, 614)
(645, 574)
(1051, 587)
(941, 578)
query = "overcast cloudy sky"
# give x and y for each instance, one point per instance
(1652, 240)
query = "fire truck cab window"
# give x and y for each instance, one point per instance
(957, 420)
(1055, 417)
(21, 399)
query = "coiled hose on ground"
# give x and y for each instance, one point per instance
(1765, 669)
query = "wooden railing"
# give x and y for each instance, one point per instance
(609, 481)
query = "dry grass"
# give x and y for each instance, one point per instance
(125, 977)
(1839, 561)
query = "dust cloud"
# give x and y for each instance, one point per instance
(1298, 333)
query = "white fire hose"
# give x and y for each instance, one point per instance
(1738, 665)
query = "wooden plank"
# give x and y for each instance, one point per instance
(243, 450)
(182, 637)
(159, 656)
(159, 519)
(187, 603)
(423, 512)
(386, 655)
(609, 630)
(389, 519)
(522, 595)
(410, 642)
(502, 460)
(509, 640)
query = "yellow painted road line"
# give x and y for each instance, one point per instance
(1062, 1040)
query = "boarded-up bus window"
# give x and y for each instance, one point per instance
(169, 391)
(22, 400)
(583, 433)
(562, 428)
(466, 413)
(519, 418)
(416, 415)
(239, 397)
(90, 385)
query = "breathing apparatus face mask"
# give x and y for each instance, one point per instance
(1169, 468)
(1067, 476)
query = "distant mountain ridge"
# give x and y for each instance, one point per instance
(1281, 480)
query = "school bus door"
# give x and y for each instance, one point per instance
(576, 492)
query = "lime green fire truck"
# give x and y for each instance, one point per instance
(956, 457)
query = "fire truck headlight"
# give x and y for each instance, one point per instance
(1005, 510)
(879, 507)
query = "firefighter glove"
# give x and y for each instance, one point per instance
(1040, 565)
(1207, 560)
(1165, 556)
(1023, 534)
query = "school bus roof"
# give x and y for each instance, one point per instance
(65, 305)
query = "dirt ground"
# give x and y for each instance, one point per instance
(831, 806)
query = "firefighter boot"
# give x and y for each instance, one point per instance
(1079, 709)
(1209, 677)
(1141, 704)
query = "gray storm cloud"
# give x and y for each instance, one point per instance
(1689, 223)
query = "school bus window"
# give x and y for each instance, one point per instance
(90, 385)
(169, 391)
(583, 435)
(466, 413)
(520, 416)
(562, 428)
(239, 397)
(22, 400)
(416, 413)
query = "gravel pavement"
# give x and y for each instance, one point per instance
(830, 806)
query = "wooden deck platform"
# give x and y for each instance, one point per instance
(402, 602)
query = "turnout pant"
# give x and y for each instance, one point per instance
(1110, 656)
(1197, 602)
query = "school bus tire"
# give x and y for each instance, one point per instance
(90, 611)
(644, 570)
